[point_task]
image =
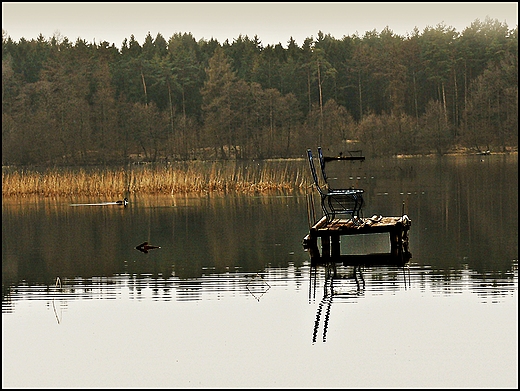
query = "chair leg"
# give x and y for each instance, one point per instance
(332, 211)
(335, 249)
(323, 208)
(325, 246)
(328, 212)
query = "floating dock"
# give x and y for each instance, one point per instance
(330, 234)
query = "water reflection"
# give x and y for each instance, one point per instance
(231, 299)
(333, 291)
(146, 287)
(464, 213)
(348, 284)
(336, 283)
(43, 240)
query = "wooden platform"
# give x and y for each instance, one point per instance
(329, 234)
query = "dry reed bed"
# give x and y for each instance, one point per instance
(194, 178)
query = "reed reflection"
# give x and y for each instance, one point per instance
(58, 288)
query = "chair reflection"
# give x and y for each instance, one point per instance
(330, 285)
(343, 286)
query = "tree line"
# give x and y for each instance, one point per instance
(91, 103)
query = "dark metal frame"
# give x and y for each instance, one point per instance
(337, 202)
(324, 159)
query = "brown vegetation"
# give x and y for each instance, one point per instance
(192, 178)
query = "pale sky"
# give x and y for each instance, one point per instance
(272, 22)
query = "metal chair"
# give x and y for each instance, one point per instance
(339, 202)
(359, 192)
(322, 166)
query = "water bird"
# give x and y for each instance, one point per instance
(123, 202)
(144, 247)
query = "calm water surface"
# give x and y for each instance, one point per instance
(230, 298)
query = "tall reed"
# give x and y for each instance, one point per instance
(192, 177)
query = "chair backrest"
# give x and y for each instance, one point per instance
(322, 165)
(324, 174)
(313, 170)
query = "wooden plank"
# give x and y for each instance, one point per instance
(320, 224)
(348, 227)
(310, 244)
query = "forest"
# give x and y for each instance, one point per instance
(88, 103)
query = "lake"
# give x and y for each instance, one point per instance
(230, 298)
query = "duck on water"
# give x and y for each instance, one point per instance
(123, 202)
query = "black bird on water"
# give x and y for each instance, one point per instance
(144, 247)
(124, 202)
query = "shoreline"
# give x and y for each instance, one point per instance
(198, 178)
